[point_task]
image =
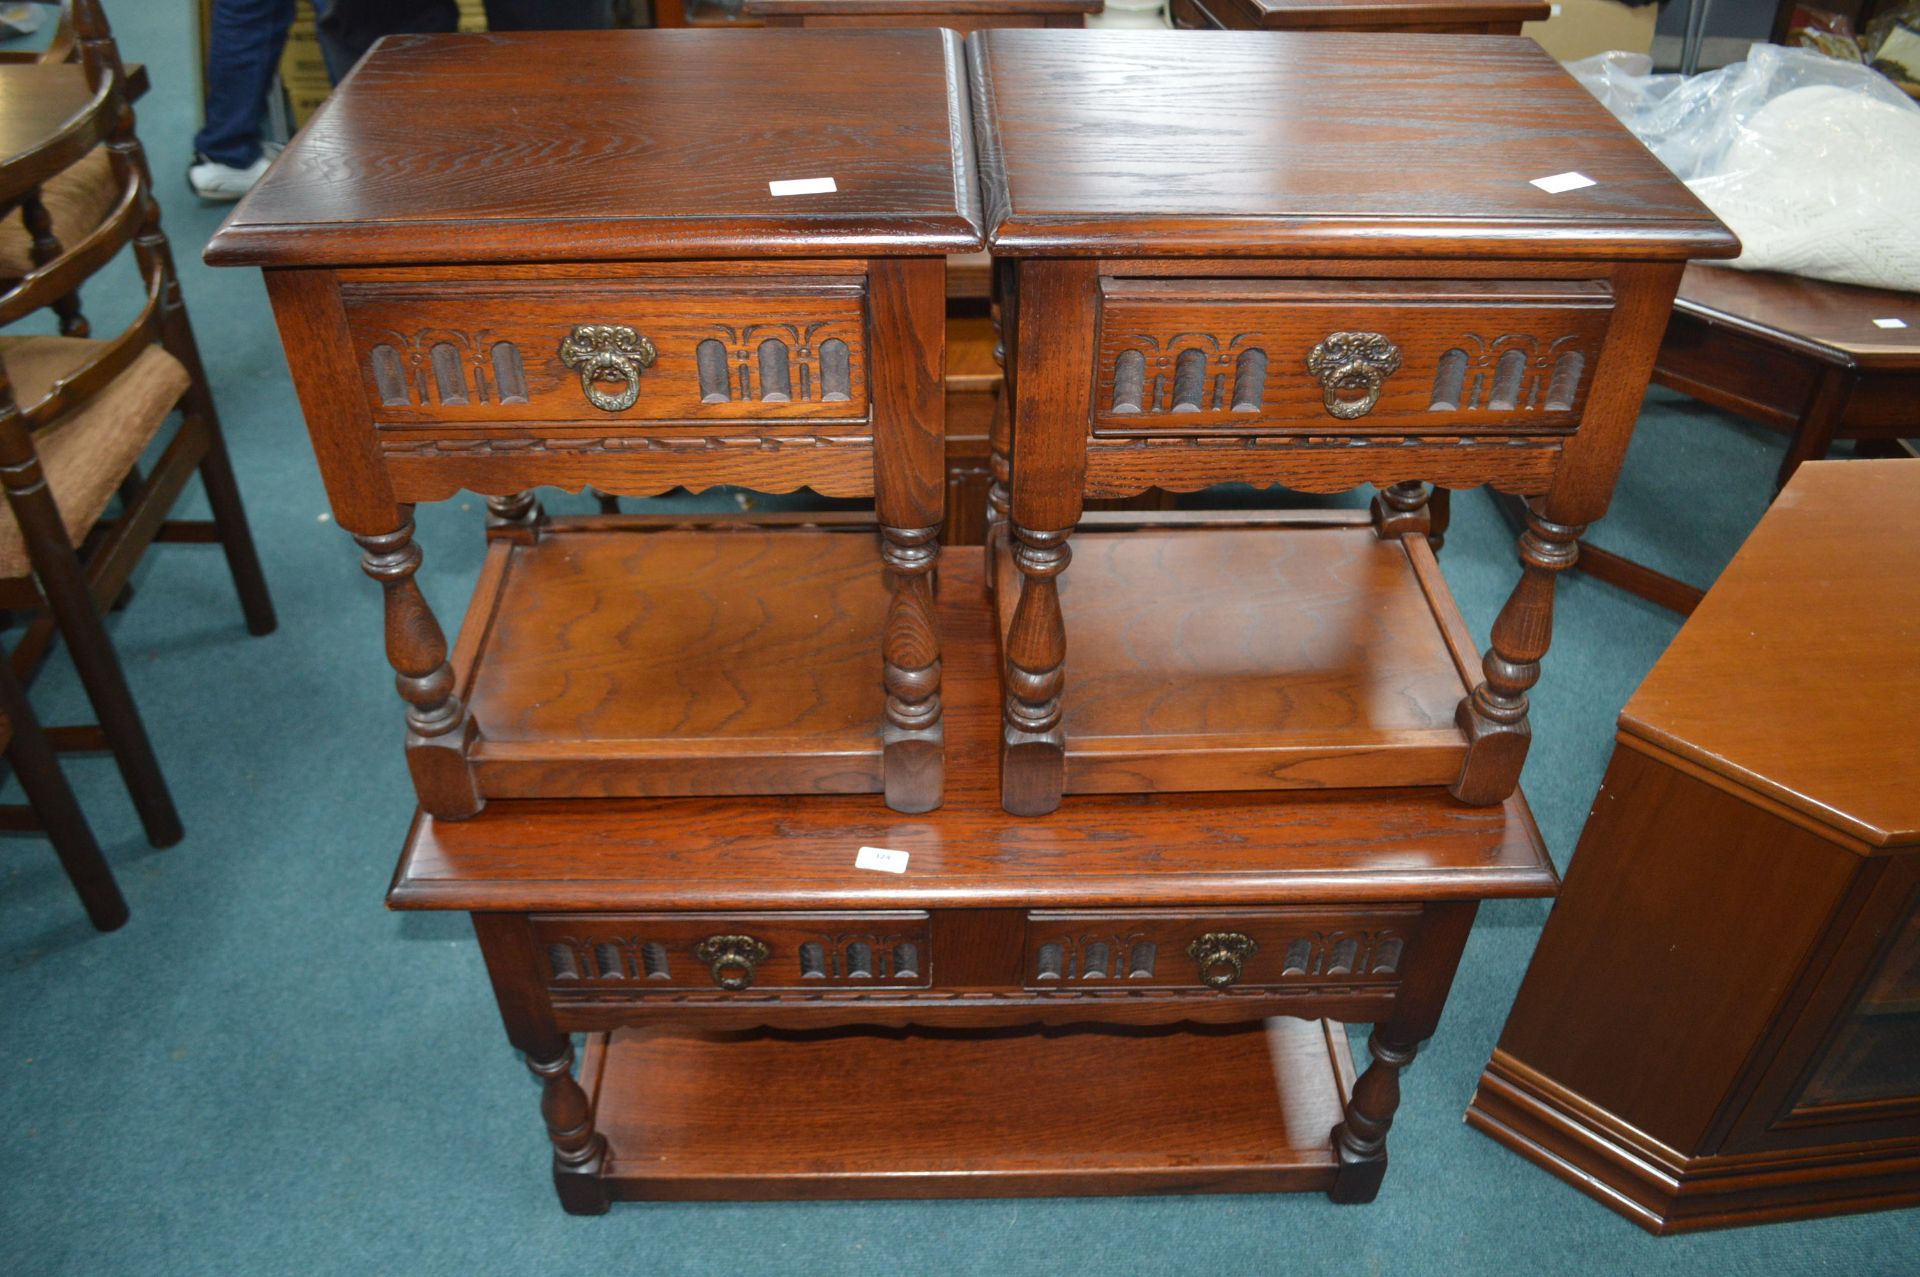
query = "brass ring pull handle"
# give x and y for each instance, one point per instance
(1346, 362)
(1222, 956)
(731, 959)
(607, 352)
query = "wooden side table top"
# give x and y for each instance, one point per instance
(624, 145)
(1832, 322)
(1349, 15)
(1188, 144)
(1819, 608)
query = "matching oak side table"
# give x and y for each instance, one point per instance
(612, 285)
(1141, 995)
(1216, 276)
(1721, 1024)
(1448, 17)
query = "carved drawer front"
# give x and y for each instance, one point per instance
(695, 350)
(1075, 951)
(732, 953)
(1440, 357)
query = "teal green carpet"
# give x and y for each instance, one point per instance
(266, 1072)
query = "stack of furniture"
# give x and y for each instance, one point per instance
(77, 413)
(1721, 1022)
(771, 818)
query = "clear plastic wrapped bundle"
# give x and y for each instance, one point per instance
(1813, 162)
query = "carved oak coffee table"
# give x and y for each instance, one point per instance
(609, 286)
(1277, 259)
(1141, 994)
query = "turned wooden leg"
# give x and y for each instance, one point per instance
(915, 750)
(517, 517)
(1428, 964)
(578, 1149)
(439, 729)
(1494, 714)
(1439, 517)
(1401, 509)
(1033, 749)
(1360, 1141)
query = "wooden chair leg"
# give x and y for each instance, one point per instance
(58, 811)
(236, 538)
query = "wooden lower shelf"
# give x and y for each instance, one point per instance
(1091, 1110)
(605, 660)
(1293, 652)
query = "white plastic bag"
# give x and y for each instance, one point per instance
(1814, 163)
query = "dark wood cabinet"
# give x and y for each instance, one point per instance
(595, 290)
(1722, 1022)
(1214, 277)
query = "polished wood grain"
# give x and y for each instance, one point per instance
(1190, 144)
(610, 662)
(623, 145)
(923, 1114)
(1447, 17)
(1738, 930)
(1734, 692)
(1830, 319)
(1109, 850)
(1307, 653)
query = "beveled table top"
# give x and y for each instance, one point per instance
(1226, 143)
(595, 145)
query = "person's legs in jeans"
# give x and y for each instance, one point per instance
(348, 28)
(243, 53)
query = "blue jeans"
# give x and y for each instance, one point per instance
(243, 56)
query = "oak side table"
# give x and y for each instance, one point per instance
(598, 288)
(1721, 1024)
(1278, 259)
(1454, 17)
(1800, 355)
(1142, 995)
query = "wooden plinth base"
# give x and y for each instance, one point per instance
(1667, 1192)
(979, 1113)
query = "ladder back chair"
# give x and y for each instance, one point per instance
(76, 414)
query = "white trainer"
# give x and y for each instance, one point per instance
(211, 180)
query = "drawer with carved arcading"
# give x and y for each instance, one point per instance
(695, 354)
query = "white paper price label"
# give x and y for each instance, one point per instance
(803, 186)
(884, 859)
(1563, 182)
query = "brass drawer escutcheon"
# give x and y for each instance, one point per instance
(1222, 956)
(607, 352)
(1346, 362)
(731, 959)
